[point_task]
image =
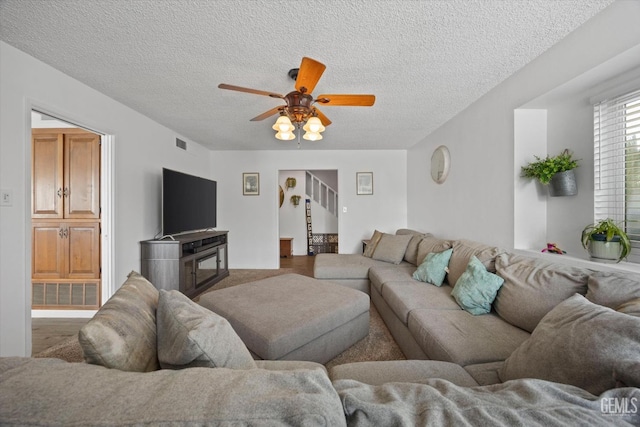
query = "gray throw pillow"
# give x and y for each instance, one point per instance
(577, 343)
(430, 244)
(613, 289)
(463, 250)
(122, 334)
(411, 254)
(532, 287)
(373, 243)
(391, 248)
(190, 335)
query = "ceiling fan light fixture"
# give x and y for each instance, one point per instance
(312, 136)
(285, 136)
(283, 124)
(314, 125)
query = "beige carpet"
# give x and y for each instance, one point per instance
(378, 345)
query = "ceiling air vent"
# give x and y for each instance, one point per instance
(181, 144)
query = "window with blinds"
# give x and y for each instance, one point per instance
(617, 164)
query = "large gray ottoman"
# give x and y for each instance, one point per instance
(293, 317)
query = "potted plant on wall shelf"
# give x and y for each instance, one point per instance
(295, 199)
(556, 171)
(606, 241)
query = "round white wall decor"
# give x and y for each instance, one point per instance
(440, 164)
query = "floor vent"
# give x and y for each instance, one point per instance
(64, 295)
(181, 144)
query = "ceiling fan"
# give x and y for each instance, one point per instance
(300, 105)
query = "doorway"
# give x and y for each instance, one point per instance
(68, 244)
(308, 213)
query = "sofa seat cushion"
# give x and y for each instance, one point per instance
(613, 289)
(52, 392)
(404, 297)
(381, 274)
(463, 250)
(122, 334)
(412, 371)
(577, 343)
(344, 266)
(460, 337)
(532, 287)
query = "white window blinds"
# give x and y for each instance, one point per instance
(617, 164)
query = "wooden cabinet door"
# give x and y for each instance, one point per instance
(49, 254)
(81, 175)
(83, 241)
(47, 175)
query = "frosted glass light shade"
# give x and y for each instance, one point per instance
(283, 124)
(312, 136)
(314, 125)
(285, 136)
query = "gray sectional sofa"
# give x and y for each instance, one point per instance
(429, 324)
(157, 358)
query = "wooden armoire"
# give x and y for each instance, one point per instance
(65, 217)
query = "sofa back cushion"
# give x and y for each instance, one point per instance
(463, 250)
(373, 243)
(430, 244)
(532, 287)
(577, 343)
(391, 248)
(122, 334)
(613, 289)
(190, 335)
(411, 254)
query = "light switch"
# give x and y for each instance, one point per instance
(344, 209)
(6, 198)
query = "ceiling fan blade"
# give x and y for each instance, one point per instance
(324, 119)
(266, 114)
(347, 100)
(309, 74)
(248, 90)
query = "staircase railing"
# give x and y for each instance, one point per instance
(322, 193)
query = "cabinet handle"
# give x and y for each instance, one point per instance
(66, 192)
(66, 232)
(60, 192)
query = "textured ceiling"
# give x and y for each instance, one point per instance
(424, 60)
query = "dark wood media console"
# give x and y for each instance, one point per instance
(191, 263)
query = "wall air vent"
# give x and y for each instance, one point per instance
(181, 144)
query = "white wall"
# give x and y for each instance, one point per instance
(142, 148)
(477, 200)
(252, 221)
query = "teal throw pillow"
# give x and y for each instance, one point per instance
(476, 289)
(434, 267)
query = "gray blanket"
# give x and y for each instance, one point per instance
(527, 402)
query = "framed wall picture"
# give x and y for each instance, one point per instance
(250, 184)
(364, 183)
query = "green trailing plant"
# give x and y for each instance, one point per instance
(544, 169)
(606, 230)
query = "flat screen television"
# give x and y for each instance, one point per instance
(188, 203)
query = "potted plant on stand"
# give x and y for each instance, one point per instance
(606, 241)
(556, 171)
